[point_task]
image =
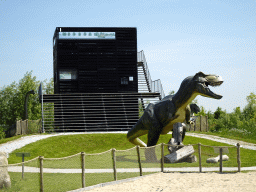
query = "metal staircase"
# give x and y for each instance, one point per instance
(145, 83)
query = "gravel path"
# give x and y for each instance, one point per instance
(243, 144)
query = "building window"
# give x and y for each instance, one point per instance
(68, 74)
(124, 81)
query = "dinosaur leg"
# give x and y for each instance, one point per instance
(135, 132)
(184, 133)
(150, 154)
(153, 136)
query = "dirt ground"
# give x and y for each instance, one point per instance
(192, 182)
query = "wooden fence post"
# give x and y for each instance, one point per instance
(162, 159)
(139, 160)
(18, 128)
(22, 126)
(114, 163)
(221, 159)
(83, 168)
(238, 157)
(199, 156)
(41, 173)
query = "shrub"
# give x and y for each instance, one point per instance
(2, 132)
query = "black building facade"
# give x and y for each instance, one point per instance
(95, 79)
(95, 60)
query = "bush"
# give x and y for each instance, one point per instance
(34, 126)
(2, 132)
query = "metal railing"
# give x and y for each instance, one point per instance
(144, 77)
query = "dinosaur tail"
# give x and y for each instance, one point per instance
(136, 131)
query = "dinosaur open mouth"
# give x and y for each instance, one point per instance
(209, 92)
(213, 84)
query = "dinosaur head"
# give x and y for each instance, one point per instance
(203, 82)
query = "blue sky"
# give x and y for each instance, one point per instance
(179, 38)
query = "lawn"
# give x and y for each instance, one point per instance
(59, 182)
(92, 144)
(68, 145)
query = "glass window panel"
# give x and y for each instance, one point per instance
(65, 74)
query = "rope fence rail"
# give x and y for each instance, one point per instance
(84, 169)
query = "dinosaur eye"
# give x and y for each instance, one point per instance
(201, 79)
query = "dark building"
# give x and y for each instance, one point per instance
(95, 78)
(95, 60)
(99, 81)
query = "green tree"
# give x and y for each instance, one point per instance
(218, 113)
(7, 100)
(27, 83)
(48, 88)
(202, 111)
(12, 99)
(251, 99)
(237, 111)
(249, 112)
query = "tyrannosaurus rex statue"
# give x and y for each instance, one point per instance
(160, 117)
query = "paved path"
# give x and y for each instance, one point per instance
(128, 170)
(243, 144)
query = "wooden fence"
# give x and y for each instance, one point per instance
(24, 127)
(201, 124)
(114, 161)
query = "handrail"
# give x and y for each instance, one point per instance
(152, 86)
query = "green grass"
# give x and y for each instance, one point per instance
(59, 182)
(62, 146)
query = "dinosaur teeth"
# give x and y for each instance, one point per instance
(215, 84)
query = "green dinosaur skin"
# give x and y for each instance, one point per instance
(159, 118)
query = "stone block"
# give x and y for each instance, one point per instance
(5, 180)
(217, 159)
(179, 154)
